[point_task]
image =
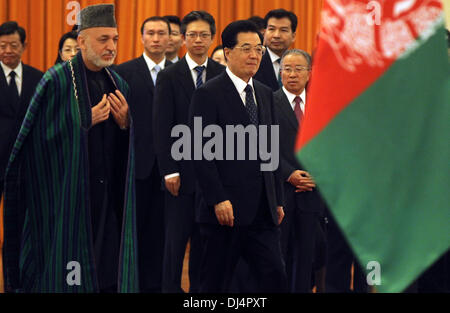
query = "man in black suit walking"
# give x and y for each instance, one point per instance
(140, 75)
(17, 84)
(243, 200)
(303, 203)
(174, 88)
(278, 37)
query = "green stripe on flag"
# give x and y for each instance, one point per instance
(383, 166)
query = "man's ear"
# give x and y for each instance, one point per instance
(81, 42)
(226, 53)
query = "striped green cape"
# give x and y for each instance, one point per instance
(47, 186)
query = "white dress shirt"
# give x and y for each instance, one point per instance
(192, 64)
(275, 64)
(19, 75)
(152, 64)
(175, 59)
(291, 98)
(240, 86)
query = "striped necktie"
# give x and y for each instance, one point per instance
(199, 70)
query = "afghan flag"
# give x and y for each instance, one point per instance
(376, 132)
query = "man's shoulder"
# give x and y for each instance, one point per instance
(217, 82)
(266, 63)
(260, 87)
(216, 65)
(128, 64)
(279, 94)
(174, 68)
(32, 71)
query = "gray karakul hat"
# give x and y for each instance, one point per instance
(99, 15)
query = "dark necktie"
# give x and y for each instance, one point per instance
(280, 83)
(297, 110)
(199, 70)
(13, 91)
(250, 105)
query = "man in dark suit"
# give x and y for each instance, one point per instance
(243, 200)
(278, 37)
(176, 41)
(140, 75)
(174, 88)
(17, 84)
(303, 203)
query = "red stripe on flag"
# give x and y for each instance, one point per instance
(358, 41)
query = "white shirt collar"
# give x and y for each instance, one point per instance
(273, 57)
(152, 64)
(291, 98)
(18, 70)
(175, 59)
(192, 64)
(238, 82)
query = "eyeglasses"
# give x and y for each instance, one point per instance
(201, 35)
(296, 70)
(260, 50)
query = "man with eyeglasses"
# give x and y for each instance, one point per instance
(244, 205)
(174, 88)
(17, 84)
(141, 74)
(175, 41)
(280, 33)
(303, 202)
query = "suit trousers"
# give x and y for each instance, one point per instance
(257, 244)
(339, 263)
(298, 242)
(260, 247)
(180, 227)
(150, 231)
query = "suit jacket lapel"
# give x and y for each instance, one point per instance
(212, 70)
(22, 106)
(186, 77)
(9, 106)
(3, 82)
(262, 107)
(287, 109)
(234, 101)
(143, 69)
(269, 73)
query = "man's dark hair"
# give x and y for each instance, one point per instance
(259, 21)
(281, 13)
(155, 19)
(198, 16)
(173, 19)
(230, 33)
(9, 28)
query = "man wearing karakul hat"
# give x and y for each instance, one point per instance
(69, 191)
